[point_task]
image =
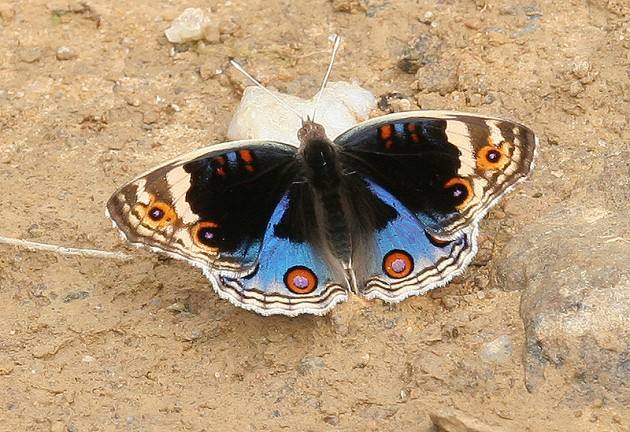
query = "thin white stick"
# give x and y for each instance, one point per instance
(63, 250)
(239, 68)
(336, 42)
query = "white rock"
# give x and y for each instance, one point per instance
(65, 53)
(259, 116)
(189, 26)
(497, 351)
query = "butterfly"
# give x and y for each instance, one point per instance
(387, 210)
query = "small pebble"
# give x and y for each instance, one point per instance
(404, 395)
(575, 88)
(481, 282)
(581, 69)
(29, 55)
(177, 307)
(311, 363)
(6, 367)
(212, 34)
(195, 334)
(332, 420)
(7, 13)
(187, 27)
(396, 102)
(474, 100)
(365, 359)
(210, 69)
(422, 50)
(135, 102)
(87, 359)
(473, 24)
(427, 18)
(75, 295)
(66, 53)
(150, 117)
(441, 77)
(497, 351)
(228, 27)
(347, 6)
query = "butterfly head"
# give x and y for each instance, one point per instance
(311, 131)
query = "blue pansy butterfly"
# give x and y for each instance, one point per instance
(387, 210)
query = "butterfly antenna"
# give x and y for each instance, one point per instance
(336, 40)
(239, 68)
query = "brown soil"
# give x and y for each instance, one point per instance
(94, 344)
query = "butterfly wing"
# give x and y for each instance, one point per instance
(292, 276)
(210, 207)
(237, 211)
(448, 168)
(399, 256)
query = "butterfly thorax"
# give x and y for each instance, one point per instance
(319, 156)
(324, 175)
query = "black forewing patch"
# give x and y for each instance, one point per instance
(238, 199)
(414, 167)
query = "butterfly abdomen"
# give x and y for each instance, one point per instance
(337, 231)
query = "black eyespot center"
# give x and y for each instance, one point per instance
(459, 192)
(493, 156)
(156, 213)
(206, 235)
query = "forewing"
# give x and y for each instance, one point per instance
(448, 168)
(210, 207)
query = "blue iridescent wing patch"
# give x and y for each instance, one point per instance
(407, 259)
(290, 276)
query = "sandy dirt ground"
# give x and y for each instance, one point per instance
(89, 344)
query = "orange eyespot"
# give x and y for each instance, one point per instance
(397, 264)
(205, 235)
(460, 191)
(491, 157)
(157, 214)
(300, 280)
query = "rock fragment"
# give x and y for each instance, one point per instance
(188, 27)
(572, 266)
(66, 53)
(29, 54)
(7, 13)
(498, 350)
(442, 77)
(453, 420)
(420, 51)
(259, 116)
